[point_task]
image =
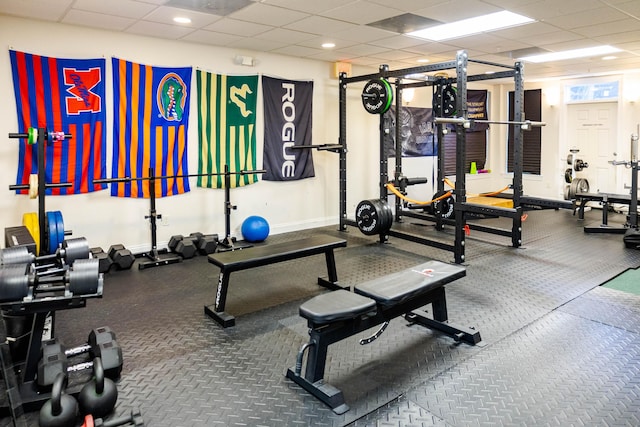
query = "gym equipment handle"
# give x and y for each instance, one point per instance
(52, 185)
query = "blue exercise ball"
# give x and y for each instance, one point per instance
(255, 229)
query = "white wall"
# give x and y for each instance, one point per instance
(105, 220)
(288, 206)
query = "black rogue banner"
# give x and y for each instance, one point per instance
(287, 123)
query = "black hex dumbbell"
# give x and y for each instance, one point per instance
(122, 257)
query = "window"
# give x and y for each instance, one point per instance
(532, 139)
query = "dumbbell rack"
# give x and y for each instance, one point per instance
(42, 183)
(20, 376)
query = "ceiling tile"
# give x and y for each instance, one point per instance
(240, 28)
(165, 15)
(587, 18)
(50, 11)
(162, 31)
(125, 8)
(398, 42)
(411, 5)
(299, 51)
(316, 42)
(286, 36)
(262, 13)
(364, 50)
(320, 25)
(456, 10)
(363, 34)
(97, 20)
(361, 12)
(211, 37)
(312, 7)
(258, 45)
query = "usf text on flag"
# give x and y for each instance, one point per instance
(61, 95)
(287, 122)
(151, 117)
(226, 128)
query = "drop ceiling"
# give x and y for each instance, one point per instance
(367, 32)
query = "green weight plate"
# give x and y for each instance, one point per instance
(389, 95)
(32, 137)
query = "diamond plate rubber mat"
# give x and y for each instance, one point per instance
(557, 349)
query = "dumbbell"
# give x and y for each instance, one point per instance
(205, 243)
(104, 261)
(54, 360)
(62, 409)
(71, 250)
(135, 419)
(183, 246)
(20, 281)
(122, 257)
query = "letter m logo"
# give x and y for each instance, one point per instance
(80, 84)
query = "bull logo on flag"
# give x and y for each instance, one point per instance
(171, 97)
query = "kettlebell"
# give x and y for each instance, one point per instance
(62, 409)
(98, 397)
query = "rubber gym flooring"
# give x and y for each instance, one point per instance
(557, 349)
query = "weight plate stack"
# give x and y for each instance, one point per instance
(374, 217)
(377, 96)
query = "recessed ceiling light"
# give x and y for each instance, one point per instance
(423, 60)
(182, 20)
(608, 58)
(328, 45)
(571, 54)
(465, 27)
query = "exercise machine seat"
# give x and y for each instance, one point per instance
(335, 306)
(399, 287)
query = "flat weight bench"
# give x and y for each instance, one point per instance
(336, 315)
(265, 255)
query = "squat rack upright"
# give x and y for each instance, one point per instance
(461, 207)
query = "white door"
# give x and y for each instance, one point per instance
(592, 130)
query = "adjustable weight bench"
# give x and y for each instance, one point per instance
(333, 316)
(265, 255)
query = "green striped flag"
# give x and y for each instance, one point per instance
(226, 127)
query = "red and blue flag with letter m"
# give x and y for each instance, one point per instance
(151, 116)
(61, 95)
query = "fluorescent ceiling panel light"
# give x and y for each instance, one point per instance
(571, 54)
(479, 24)
(182, 20)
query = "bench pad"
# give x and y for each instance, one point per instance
(407, 284)
(335, 306)
(277, 252)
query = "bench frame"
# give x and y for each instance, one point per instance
(324, 334)
(271, 254)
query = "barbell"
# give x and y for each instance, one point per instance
(31, 135)
(467, 123)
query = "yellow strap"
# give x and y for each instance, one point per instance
(395, 191)
(489, 194)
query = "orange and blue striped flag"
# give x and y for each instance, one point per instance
(61, 95)
(151, 117)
